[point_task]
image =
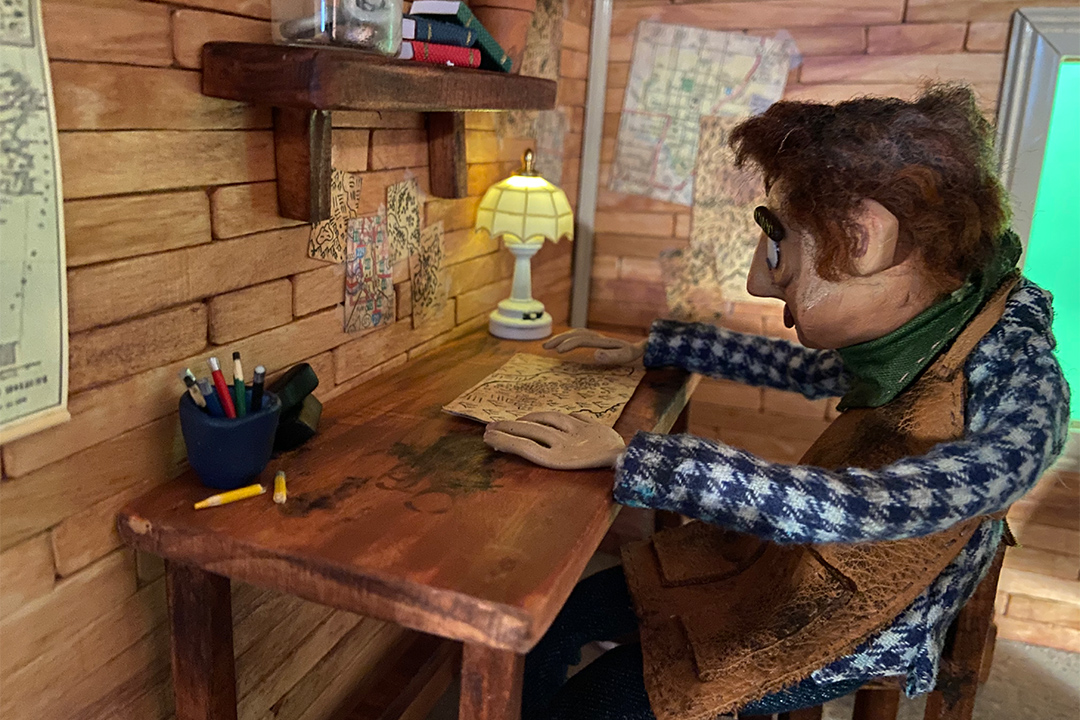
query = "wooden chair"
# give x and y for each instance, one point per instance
(965, 663)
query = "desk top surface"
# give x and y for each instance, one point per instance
(399, 511)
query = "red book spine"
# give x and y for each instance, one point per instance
(437, 54)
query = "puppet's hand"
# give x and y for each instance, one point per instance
(557, 441)
(612, 351)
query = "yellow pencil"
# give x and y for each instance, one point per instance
(232, 496)
(280, 493)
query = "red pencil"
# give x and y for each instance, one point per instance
(221, 387)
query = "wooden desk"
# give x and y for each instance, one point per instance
(396, 511)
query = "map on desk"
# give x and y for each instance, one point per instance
(678, 74)
(536, 383)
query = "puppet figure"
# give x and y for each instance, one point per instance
(886, 235)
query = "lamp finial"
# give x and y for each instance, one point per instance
(527, 164)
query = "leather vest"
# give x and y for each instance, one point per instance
(727, 618)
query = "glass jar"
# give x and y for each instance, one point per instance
(373, 25)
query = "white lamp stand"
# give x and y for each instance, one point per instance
(525, 209)
(521, 316)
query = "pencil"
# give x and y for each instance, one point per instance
(257, 388)
(238, 385)
(280, 492)
(232, 496)
(213, 405)
(193, 388)
(224, 396)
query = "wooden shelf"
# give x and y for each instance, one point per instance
(304, 84)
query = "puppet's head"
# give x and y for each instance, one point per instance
(877, 208)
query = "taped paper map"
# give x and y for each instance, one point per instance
(429, 289)
(327, 239)
(677, 75)
(369, 283)
(403, 219)
(703, 280)
(535, 383)
(33, 308)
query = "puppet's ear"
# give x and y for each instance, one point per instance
(877, 251)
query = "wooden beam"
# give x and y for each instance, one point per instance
(200, 626)
(490, 684)
(876, 704)
(447, 171)
(343, 79)
(302, 157)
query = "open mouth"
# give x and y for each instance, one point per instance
(789, 319)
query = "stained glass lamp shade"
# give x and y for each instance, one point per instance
(525, 209)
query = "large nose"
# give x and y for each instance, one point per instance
(759, 281)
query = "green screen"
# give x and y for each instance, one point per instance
(1053, 252)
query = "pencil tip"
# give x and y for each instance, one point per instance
(236, 355)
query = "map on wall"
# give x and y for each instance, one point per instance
(33, 312)
(678, 74)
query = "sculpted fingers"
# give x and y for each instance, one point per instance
(540, 433)
(560, 421)
(515, 445)
(581, 338)
(554, 342)
(624, 354)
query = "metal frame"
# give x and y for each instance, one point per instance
(1040, 40)
(589, 179)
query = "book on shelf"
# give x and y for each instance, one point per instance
(492, 56)
(436, 31)
(437, 54)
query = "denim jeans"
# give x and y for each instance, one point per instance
(613, 686)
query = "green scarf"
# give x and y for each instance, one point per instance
(885, 367)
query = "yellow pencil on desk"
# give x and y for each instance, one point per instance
(280, 493)
(232, 496)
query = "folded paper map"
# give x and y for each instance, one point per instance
(535, 383)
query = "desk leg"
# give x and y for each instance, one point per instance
(490, 684)
(200, 626)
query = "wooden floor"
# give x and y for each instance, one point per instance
(1039, 592)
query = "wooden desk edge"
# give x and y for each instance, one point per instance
(442, 612)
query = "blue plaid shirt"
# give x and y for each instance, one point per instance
(1016, 424)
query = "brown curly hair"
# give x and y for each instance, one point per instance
(930, 162)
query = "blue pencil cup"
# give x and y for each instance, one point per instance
(229, 453)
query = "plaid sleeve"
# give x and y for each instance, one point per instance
(1017, 422)
(750, 359)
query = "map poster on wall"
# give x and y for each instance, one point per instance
(678, 74)
(33, 303)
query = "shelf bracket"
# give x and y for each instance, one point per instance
(447, 171)
(302, 156)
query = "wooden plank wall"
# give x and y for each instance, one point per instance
(849, 48)
(175, 248)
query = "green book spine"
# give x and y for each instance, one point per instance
(492, 56)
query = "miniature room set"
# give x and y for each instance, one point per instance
(383, 360)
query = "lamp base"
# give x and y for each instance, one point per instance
(520, 320)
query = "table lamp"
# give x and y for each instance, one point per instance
(525, 209)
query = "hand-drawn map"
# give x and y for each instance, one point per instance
(369, 281)
(535, 383)
(677, 75)
(33, 309)
(544, 41)
(403, 219)
(702, 280)
(550, 130)
(429, 289)
(328, 238)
